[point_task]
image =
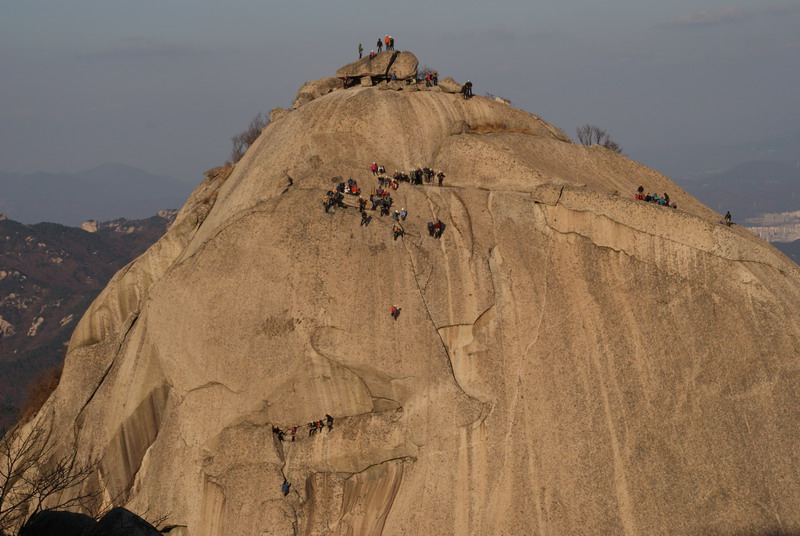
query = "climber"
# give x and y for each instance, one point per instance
(362, 204)
(371, 54)
(640, 189)
(365, 218)
(380, 46)
(360, 50)
(666, 198)
(381, 170)
(285, 487)
(281, 435)
(397, 229)
(438, 228)
(431, 229)
(374, 168)
(396, 215)
(728, 218)
(294, 432)
(311, 429)
(275, 429)
(395, 312)
(403, 214)
(440, 176)
(320, 426)
(346, 81)
(329, 420)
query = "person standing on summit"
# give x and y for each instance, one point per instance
(380, 46)
(360, 50)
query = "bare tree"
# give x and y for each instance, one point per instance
(594, 135)
(243, 140)
(34, 477)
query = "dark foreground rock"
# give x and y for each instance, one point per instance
(51, 522)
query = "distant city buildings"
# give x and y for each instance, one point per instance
(776, 226)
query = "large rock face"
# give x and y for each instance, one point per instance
(567, 360)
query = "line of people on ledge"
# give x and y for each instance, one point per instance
(387, 41)
(313, 428)
(653, 198)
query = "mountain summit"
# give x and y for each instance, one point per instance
(566, 359)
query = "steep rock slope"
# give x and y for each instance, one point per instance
(566, 360)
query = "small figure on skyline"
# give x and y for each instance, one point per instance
(360, 50)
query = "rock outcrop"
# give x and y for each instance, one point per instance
(567, 359)
(400, 64)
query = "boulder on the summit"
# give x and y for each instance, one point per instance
(49, 522)
(448, 85)
(402, 65)
(122, 522)
(315, 89)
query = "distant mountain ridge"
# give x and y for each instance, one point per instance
(750, 189)
(106, 192)
(49, 274)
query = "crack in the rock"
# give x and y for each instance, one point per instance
(210, 384)
(436, 329)
(107, 370)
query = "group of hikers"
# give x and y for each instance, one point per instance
(653, 198)
(381, 196)
(387, 41)
(313, 428)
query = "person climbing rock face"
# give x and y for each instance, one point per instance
(285, 487)
(395, 312)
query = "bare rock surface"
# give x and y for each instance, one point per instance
(314, 89)
(567, 360)
(448, 85)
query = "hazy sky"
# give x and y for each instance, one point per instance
(163, 85)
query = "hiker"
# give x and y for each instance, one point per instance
(431, 229)
(362, 204)
(320, 426)
(466, 89)
(384, 208)
(285, 487)
(281, 435)
(346, 81)
(438, 228)
(360, 50)
(381, 170)
(428, 82)
(647, 198)
(371, 54)
(275, 430)
(403, 214)
(365, 218)
(294, 433)
(311, 429)
(435, 78)
(666, 198)
(396, 215)
(329, 420)
(380, 46)
(440, 176)
(728, 218)
(395, 312)
(397, 230)
(374, 168)
(391, 42)
(387, 41)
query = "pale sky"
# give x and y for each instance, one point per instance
(163, 85)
